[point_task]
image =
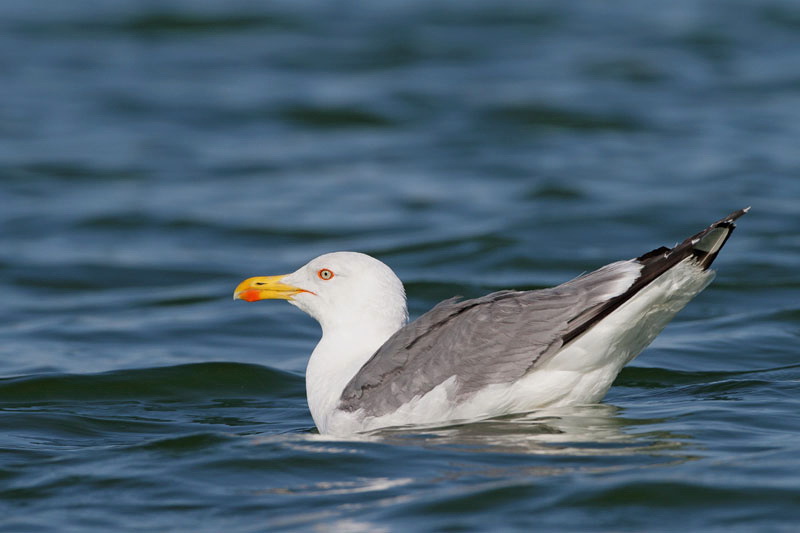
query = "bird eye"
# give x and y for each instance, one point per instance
(325, 274)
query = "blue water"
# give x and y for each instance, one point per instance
(154, 154)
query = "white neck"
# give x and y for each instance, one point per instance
(339, 355)
(359, 305)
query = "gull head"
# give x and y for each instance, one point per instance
(342, 290)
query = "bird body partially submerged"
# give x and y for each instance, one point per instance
(507, 352)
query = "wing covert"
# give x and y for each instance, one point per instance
(497, 338)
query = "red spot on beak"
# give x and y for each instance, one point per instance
(250, 296)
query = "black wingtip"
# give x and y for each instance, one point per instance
(703, 246)
(706, 244)
(733, 216)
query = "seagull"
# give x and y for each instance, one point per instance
(508, 352)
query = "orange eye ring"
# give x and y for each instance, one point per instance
(325, 274)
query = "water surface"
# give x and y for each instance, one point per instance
(153, 155)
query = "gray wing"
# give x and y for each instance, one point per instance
(497, 338)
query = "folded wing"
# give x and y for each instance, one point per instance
(500, 337)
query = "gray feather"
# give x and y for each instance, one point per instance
(497, 338)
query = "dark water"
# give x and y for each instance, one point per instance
(154, 154)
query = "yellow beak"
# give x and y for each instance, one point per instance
(264, 288)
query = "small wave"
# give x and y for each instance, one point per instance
(546, 116)
(654, 378)
(201, 380)
(166, 24)
(184, 443)
(335, 117)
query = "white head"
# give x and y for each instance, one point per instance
(342, 290)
